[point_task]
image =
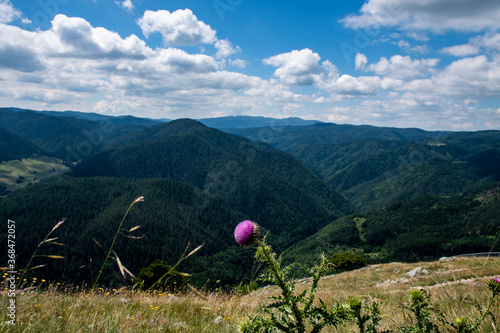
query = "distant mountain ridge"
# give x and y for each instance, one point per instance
(217, 122)
(253, 121)
(373, 166)
(68, 138)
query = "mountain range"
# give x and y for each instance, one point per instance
(388, 193)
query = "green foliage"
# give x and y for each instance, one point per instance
(291, 312)
(424, 317)
(420, 307)
(246, 288)
(162, 276)
(367, 318)
(338, 236)
(123, 269)
(424, 228)
(347, 261)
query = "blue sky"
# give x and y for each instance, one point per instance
(432, 64)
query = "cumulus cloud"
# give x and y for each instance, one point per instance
(397, 66)
(461, 50)
(20, 58)
(75, 37)
(352, 87)
(178, 28)
(303, 68)
(296, 67)
(7, 12)
(15, 50)
(225, 49)
(238, 63)
(489, 42)
(436, 15)
(126, 4)
(468, 78)
(73, 62)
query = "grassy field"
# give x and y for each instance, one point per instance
(17, 174)
(48, 307)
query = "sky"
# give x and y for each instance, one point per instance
(431, 64)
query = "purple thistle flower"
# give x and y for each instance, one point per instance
(246, 232)
(494, 285)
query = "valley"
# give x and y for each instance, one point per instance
(384, 193)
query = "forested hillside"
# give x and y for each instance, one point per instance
(415, 195)
(376, 166)
(427, 227)
(172, 215)
(253, 178)
(68, 138)
(13, 146)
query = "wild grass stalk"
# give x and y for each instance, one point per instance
(45, 240)
(121, 267)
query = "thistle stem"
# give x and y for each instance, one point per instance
(280, 280)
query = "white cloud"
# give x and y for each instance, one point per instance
(72, 65)
(16, 49)
(352, 87)
(406, 46)
(303, 68)
(467, 78)
(433, 15)
(225, 49)
(487, 43)
(418, 36)
(360, 61)
(126, 4)
(178, 28)
(397, 66)
(7, 12)
(461, 50)
(75, 37)
(238, 63)
(296, 67)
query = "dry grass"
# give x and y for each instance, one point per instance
(453, 285)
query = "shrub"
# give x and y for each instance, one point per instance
(172, 280)
(347, 261)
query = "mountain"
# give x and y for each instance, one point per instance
(427, 227)
(218, 122)
(446, 165)
(251, 121)
(172, 215)
(68, 138)
(198, 183)
(283, 137)
(117, 120)
(13, 146)
(263, 183)
(375, 166)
